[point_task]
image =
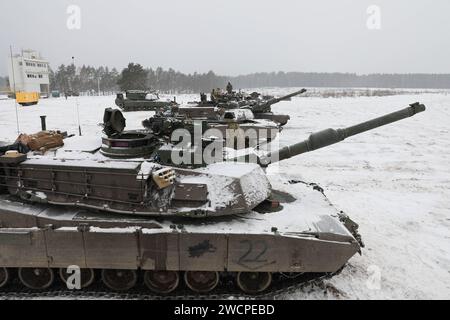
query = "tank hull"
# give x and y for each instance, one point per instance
(292, 240)
(134, 249)
(128, 105)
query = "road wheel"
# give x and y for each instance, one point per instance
(201, 281)
(4, 277)
(162, 282)
(36, 278)
(254, 282)
(119, 280)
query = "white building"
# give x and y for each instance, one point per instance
(30, 72)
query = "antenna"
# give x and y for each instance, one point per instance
(14, 88)
(76, 100)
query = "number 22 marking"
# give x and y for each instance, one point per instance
(250, 255)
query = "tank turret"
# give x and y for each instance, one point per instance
(235, 122)
(136, 94)
(265, 105)
(262, 108)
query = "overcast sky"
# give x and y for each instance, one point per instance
(234, 37)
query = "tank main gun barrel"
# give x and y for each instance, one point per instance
(264, 106)
(328, 137)
(276, 100)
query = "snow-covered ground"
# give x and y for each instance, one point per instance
(393, 181)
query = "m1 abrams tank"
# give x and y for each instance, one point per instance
(167, 222)
(262, 108)
(139, 100)
(260, 105)
(231, 125)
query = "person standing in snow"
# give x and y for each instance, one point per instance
(229, 88)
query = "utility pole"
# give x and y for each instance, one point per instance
(14, 88)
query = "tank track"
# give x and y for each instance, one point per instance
(227, 290)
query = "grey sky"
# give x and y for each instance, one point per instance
(234, 36)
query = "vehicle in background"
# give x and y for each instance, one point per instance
(140, 100)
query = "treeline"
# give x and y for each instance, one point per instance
(136, 77)
(342, 80)
(168, 81)
(174, 81)
(87, 79)
(84, 79)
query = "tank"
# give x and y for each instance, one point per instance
(232, 125)
(139, 100)
(260, 105)
(262, 108)
(166, 223)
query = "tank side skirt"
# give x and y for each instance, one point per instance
(174, 251)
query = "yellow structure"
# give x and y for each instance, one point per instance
(27, 98)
